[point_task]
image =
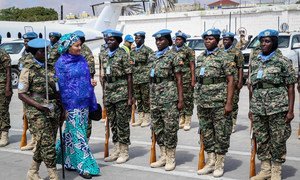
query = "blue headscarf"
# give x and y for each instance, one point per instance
(66, 41)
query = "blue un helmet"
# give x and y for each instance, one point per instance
(129, 38)
(30, 35)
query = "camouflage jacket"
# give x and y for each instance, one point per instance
(4, 63)
(217, 65)
(53, 54)
(102, 54)
(278, 70)
(188, 55)
(88, 55)
(139, 60)
(22, 60)
(165, 68)
(116, 67)
(238, 59)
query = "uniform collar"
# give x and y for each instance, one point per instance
(158, 54)
(207, 52)
(39, 63)
(264, 58)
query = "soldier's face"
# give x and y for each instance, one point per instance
(40, 55)
(210, 42)
(162, 43)
(53, 39)
(139, 40)
(179, 41)
(26, 43)
(112, 43)
(227, 42)
(266, 45)
(75, 48)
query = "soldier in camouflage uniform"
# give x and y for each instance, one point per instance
(5, 96)
(188, 78)
(272, 94)
(213, 96)
(53, 54)
(166, 98)
(42, 116)
(117, 95)
(139, 58)
(238, 76)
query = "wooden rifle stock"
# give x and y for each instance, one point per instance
(153, 150)
(24, 136)
(106, 144)
(201, 160)
(133, 113)
(104, 113)
(253, 153)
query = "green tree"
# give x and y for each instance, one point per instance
(28, 14)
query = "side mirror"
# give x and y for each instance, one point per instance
(296, 46)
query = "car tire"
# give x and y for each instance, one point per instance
(15, 77)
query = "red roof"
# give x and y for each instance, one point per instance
(224, 3)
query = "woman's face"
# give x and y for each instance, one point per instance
(210, 42)
(162, 43)
(75, 49)
(40, 55)
(112, 43)
(266, 45)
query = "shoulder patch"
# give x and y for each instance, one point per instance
(20, 86)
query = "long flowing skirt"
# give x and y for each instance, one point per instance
(77, 154)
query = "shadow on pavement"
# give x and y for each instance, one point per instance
(231, 164)
(288, 171)
(183, 156)
(138, 151)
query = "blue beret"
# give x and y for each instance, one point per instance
(228, 35)
(114, 33)
(129, 38)
(212, 32)
(268, 32)
(55, 34)
(38, 43)
(30, 35)
(106, 31)
(140, 33)
(79, 33)
(161, 33)
(181, 34)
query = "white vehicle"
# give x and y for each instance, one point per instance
(197, 44)
(288, 44)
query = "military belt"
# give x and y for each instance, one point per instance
(208, 81)
(262, 85)
(43, 96)
(156, 80)
(112, 79)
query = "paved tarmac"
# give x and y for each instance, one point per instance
(15, 163)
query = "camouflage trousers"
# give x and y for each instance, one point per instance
(4, 113)
(44, 128)
(271, 134)
(89, 128)
(216, 129)
(236, 98)
(165, 123)
(119, 114)
(188, 92)
(141, 95)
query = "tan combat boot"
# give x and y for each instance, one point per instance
(187, 124)
(30, 146)
(162, 160)
(52, 174)
(265, 171)
(114, 155)
(146, 120)
(140, 120)
(181, 121)
(219, 166)
(4, 139)
(276, 171)
(123, 157)
(209, 165)
(170, 159)
(33, 173)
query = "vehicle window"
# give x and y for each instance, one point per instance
(12, 48)
(283, 42)
(296, 39)
(196, 44)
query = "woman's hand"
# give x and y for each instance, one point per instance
(228, 109)
(44, 109)
(250, 116)
(180, 105)
(93, 82)
(289, 117)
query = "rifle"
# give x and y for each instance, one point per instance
(253, 153)
(153, 150)
(104, 113)
(201, 160)
(24, 136)
(133, 113)
(106, 144)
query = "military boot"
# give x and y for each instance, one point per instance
(276, 171)
(4, 139)
(114, 155)
(187, 124)
(123, 157)
(146, 120)
(209, 165)
(33, 173)
(31, 145)
(139, 120)
(162, 160)
(181, 121)
(265, 171)
(170, 159)
(52, 174)
(219, 166)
